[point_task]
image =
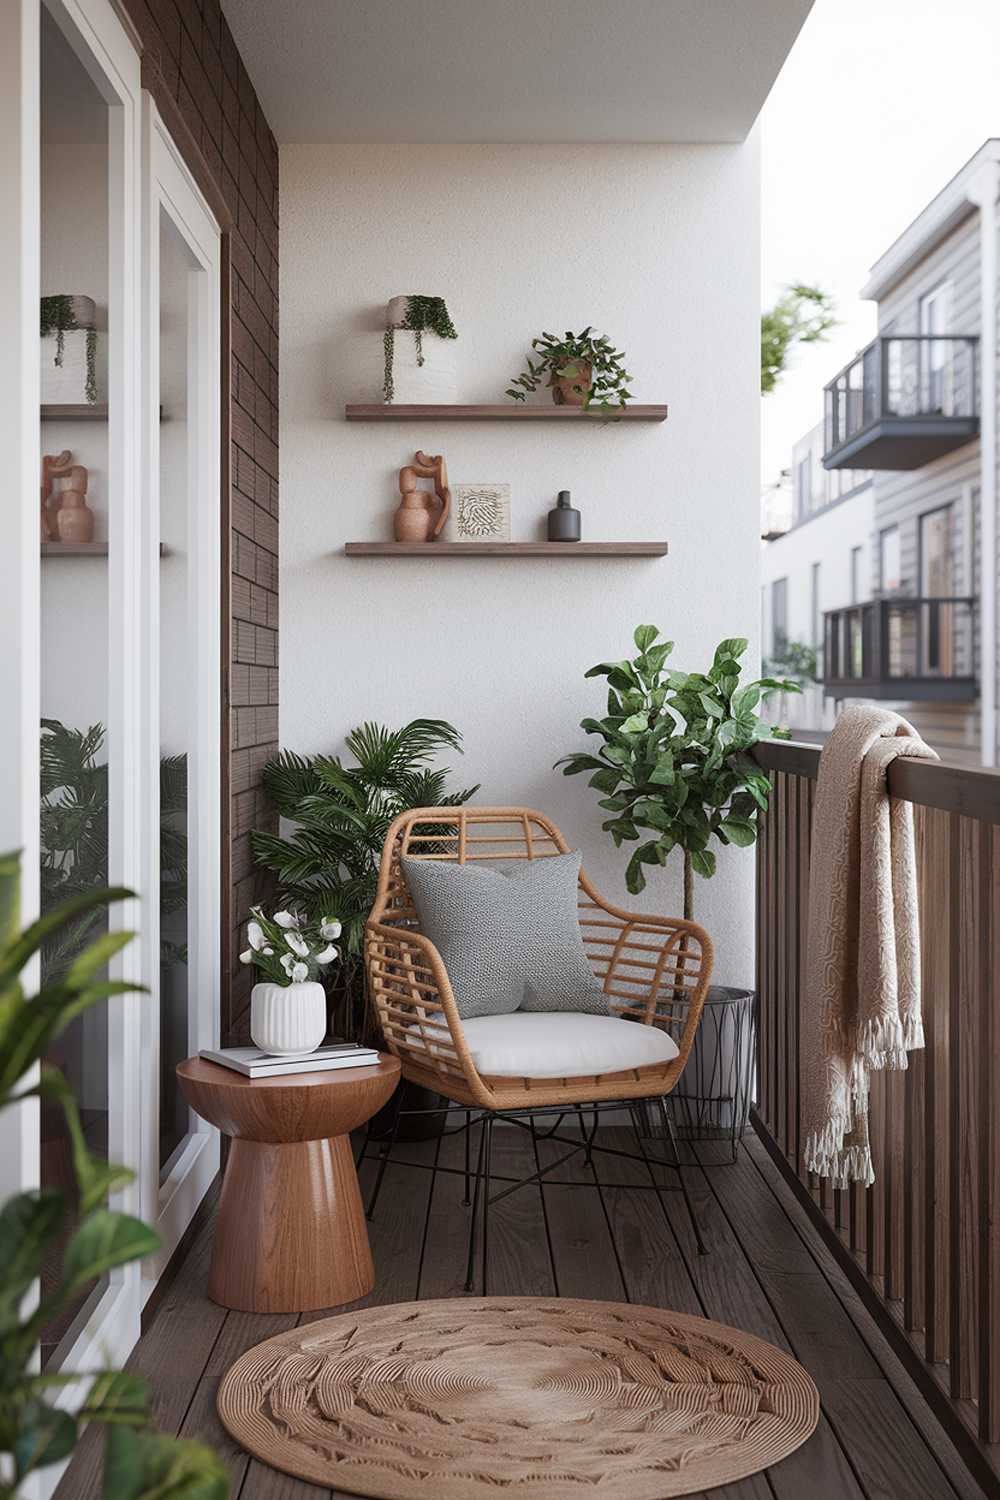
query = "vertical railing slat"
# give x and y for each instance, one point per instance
(965, 1025)
(989, 1136)
(781, 964)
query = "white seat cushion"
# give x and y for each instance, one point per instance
(562, 1044)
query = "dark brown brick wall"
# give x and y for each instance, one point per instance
(191, 64)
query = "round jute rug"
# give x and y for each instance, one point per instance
(530, 1398)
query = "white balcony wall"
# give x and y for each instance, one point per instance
(657, 246)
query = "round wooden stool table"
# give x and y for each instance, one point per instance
(290, 1234)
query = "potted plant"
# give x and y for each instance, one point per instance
(328, 864)
(60, 315)
(582, 369)
(72, 1230)
(288, 1006)
(418, 351)
(675, 771)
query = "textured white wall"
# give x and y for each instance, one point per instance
(658, 247)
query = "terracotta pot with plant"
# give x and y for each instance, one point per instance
(581, 369)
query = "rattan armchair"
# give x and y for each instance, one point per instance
(654, 971)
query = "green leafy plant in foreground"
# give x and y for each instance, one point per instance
(327, 868)
(674, 767)
(34, 1430)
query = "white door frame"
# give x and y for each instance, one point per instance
(20, 575)
(170, 1199)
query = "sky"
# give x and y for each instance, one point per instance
(879, 103)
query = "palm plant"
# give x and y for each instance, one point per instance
(36, 1431)
(328, 866)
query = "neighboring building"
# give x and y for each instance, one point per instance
(918, 407)
(820, 563)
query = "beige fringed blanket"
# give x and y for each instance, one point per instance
(863, 961)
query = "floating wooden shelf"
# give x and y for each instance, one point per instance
(511, 412)
(76, 412)
(84, 549)
(505, 549)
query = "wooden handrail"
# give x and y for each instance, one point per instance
(971, 791)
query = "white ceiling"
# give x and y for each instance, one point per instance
(513, 70)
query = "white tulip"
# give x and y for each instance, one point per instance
(297, 944)
(287, 962)
(255, 936)
(330, 928)
(300, 973)
(247, 957)
(327, 955)
(268, 952)
(284, 919)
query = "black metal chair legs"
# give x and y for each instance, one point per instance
(480, 1183)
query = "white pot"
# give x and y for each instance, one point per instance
(288, 1018)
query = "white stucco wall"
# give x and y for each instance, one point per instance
(657, 246)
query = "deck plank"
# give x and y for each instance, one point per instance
(767, 1272)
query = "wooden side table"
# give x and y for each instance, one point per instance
(291, 1233)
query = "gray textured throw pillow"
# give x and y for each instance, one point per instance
(509, 939)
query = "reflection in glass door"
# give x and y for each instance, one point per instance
(182, 562)
(89, 731)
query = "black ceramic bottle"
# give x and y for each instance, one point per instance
(564, 521)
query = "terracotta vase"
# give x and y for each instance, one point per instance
(571, 390)
(74, 518)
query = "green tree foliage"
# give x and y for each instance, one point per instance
(801, 315)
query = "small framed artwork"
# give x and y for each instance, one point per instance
(479, 513)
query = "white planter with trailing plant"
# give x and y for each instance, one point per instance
(73, 353)
(419, 364)
(288, 1006)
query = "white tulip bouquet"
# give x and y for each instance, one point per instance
(289, 949)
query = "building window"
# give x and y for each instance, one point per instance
(779, 616)
(815, 614)
(803, 488)
(936, 351)
(889, 561)
(857, 559)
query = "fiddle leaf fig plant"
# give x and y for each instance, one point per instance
(588, 363)
(674, 766)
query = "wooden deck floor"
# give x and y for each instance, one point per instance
(766, 1272)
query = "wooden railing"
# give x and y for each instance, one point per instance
(923, 1244)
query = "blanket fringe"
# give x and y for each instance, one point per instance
(826, 1155)
(883, 1041)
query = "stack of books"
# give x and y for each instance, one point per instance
(253, 1063)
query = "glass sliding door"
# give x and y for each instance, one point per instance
(182, 632)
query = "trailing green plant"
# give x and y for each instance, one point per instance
(57, 317)
(801, 315)
(423, 314)
(74, 837)
(327, 867)
(674, 767)
(569, 358)
(35, 1431)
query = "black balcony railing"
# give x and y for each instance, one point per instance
(901, 402)
(901, 649)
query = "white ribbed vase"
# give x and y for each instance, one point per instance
(287, 1018)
